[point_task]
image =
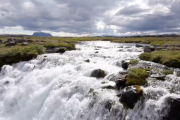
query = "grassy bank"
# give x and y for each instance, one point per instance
(18, 54)
(168, 58)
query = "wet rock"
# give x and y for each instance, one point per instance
(109, 87)
(61, 50)
(148, 48)
(87, 60)
(98, 73)
(174, 109)
(158, 77)
(120, 80)
(130, 96)
(124, 65)
(108, 104)
(138, 45)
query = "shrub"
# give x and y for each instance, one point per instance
(136, 76)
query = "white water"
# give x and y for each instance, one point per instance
(59, 87)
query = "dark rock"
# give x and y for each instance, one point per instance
(148, 48)
(109, 87)
(174, 109)
(24, 44)
(124, 65)
(98, 73)
(56, 50)
(138, 45)
(61, 50)
(1, 41)
(120, 80)
(130, 96)
(87, 60)
(108, 104)
(177, 45)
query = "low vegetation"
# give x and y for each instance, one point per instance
(18, 54)
(136, 76)
(168, 58)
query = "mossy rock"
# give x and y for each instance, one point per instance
(136, 76)
(133, 62)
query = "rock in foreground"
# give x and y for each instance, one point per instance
(98, 73)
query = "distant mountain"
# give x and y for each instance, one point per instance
(42, 34)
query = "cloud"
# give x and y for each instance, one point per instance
(93, 17)
(131, 10)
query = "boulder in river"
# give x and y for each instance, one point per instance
(130, 96)
(98, 73)
(124, 65)
(174, 109)
(120, 79)
(148, 48)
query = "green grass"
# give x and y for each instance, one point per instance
(18, 54)
(168, 58)
(136, 76)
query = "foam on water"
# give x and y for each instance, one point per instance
(59, 87)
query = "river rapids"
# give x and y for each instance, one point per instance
(59, 87)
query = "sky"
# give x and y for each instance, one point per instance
(90, 17)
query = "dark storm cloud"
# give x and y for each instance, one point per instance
(81, 16)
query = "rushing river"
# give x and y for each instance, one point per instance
(59, 87)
